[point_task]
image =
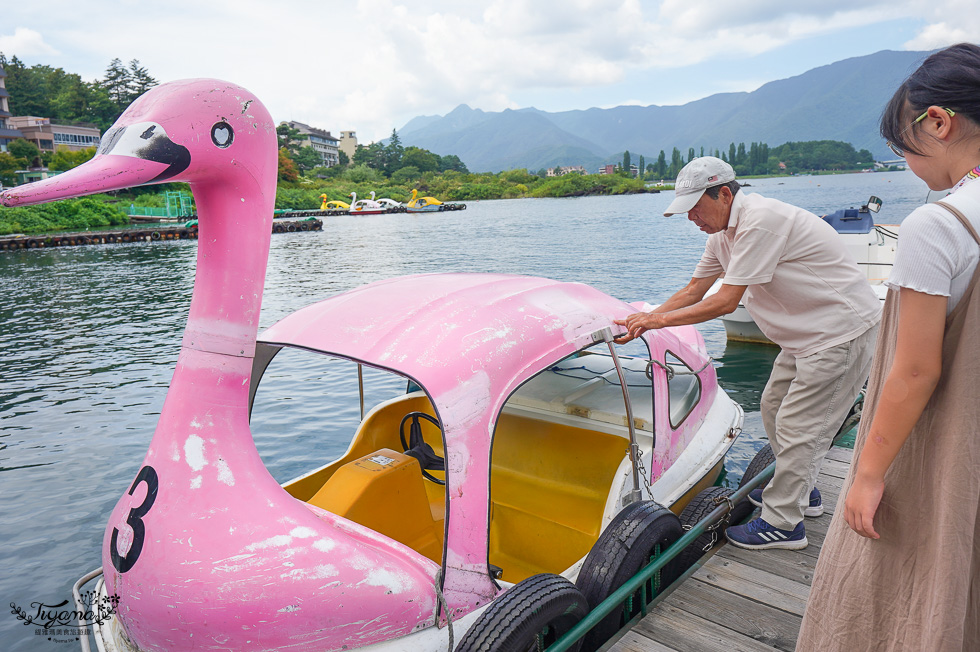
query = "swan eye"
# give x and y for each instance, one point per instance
(222, 135)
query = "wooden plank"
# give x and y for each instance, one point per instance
(760, 622)
(840, 454)
(789, 564)
(762, 586)
(685, 632)
(633, 641)
(835, 468)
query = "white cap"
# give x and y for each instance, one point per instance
(699, 174)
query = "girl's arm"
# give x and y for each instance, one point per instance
(910, 382)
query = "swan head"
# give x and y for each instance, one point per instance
(199, 131)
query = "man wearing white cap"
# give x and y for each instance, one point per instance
(804, 291)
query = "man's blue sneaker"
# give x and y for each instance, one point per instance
(814, 509)
(759, 535)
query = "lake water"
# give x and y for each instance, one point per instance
(90, 336)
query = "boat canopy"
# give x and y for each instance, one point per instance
(452, 333)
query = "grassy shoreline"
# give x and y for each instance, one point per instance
(100, 211)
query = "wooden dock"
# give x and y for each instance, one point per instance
(120, 236)
(742, 600)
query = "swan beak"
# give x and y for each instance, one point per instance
(132, 155)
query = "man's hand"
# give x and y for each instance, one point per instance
(637, 324)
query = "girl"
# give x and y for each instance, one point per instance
(900, 568)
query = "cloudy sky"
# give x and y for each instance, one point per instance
(372, 65)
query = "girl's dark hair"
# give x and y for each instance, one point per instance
(949, 78)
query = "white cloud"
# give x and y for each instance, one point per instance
(374, 64)
(25, 43)
(942, 34)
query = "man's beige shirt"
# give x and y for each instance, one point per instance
(803, 290)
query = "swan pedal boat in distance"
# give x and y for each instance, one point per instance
(505, 458)
(872, 246)
(365, 206)
(418, 204)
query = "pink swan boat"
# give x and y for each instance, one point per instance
(524, 440)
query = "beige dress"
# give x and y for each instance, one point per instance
(917, 588)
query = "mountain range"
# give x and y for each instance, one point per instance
(840, 101)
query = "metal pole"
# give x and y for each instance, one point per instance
(606, 335)
(360, 387)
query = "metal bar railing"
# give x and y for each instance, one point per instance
(638, 581)
(76, 592)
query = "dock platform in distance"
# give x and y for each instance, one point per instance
(742, 600)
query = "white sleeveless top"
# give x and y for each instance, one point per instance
(935, 254)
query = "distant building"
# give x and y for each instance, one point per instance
(607, 169)
(34, 174)
(7, 133)
(321, 141)
(348, 143)
(48, 137)
(565, 169)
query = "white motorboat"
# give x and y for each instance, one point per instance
(872, 246)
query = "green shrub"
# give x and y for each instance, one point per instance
(68, 215)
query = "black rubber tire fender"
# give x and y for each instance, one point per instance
(762, 459)
(513, 620)
(624, 547)
(700, 506)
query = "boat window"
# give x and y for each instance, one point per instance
(308, 428)
(307, 408)
(683, 390)
(557, 446)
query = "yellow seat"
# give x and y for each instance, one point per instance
(549, 486)
(385, 491)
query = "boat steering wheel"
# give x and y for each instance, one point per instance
(417, 448)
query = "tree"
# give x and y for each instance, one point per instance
(626, 161)
(405, 174)
(116, 83)
(287, 169)
(343, 159)
(25, 151)
(393, 153)
(289, 138)
(65, 159)
(8, 165)
(731, 154)
(453, 162)
(372, 155)
(690, 154)
(421, 159)
(676, 163)
(362, 174)
(642, 166)
(138, 80)
(307, 158)
(661, 168)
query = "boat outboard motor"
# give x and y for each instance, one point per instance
(855, 220)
